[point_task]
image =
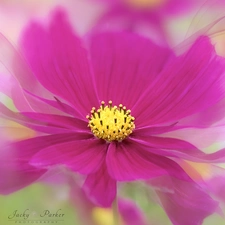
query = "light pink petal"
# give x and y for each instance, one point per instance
(217, 186)
(171, 147)
(131, 213)
(184, 202)
(190, 84)
(195, 136)
(20, 78)
(84, 156)
(100, 187)
(129, 161)
(60, 62)
(124, 64)
(14, 177)
(214, 115)
(84, 207)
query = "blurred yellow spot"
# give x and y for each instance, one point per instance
(15, 131)
(102, 216)
(145, 3)
(197, 171)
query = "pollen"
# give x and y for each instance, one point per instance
(111, 123)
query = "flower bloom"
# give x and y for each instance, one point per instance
(100, 109)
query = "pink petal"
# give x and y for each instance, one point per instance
(100, 187)
(195, 136)
(190, 84)
(153, 130)
(184, 202)
(171, 147)
(212, 116)
(16, 171)
(128, 161)
(15, 177)
(57, 104)
(124, 65)
(21, 78)
(217, 186)
(45, 122)
(60, 62)
(84, 156)
(59, 121)
(131, 213)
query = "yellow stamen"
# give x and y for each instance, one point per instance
(111, 123)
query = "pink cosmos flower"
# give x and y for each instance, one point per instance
(100, 109)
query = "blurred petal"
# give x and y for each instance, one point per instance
(171, 147)
(185, 203)
(130, 213)
(15, 168)
(100, 187)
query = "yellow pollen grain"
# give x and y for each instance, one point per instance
(111, 123)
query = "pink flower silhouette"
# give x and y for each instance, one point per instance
(65, 79)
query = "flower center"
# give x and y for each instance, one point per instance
(111, 123)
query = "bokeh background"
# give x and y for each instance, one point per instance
(56, 192)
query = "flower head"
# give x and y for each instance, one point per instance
(133, 92)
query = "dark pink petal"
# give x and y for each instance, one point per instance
(184, 202)
(25, 149)
(153, 130)
(59, 121)
(128, 161)
(172, 147)
(45, 122)
(84, 156)
(60, 62)
(15, 169)
(190, 84)
(130, 213)
(125, 64)
(100, 187)
(57, 104)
